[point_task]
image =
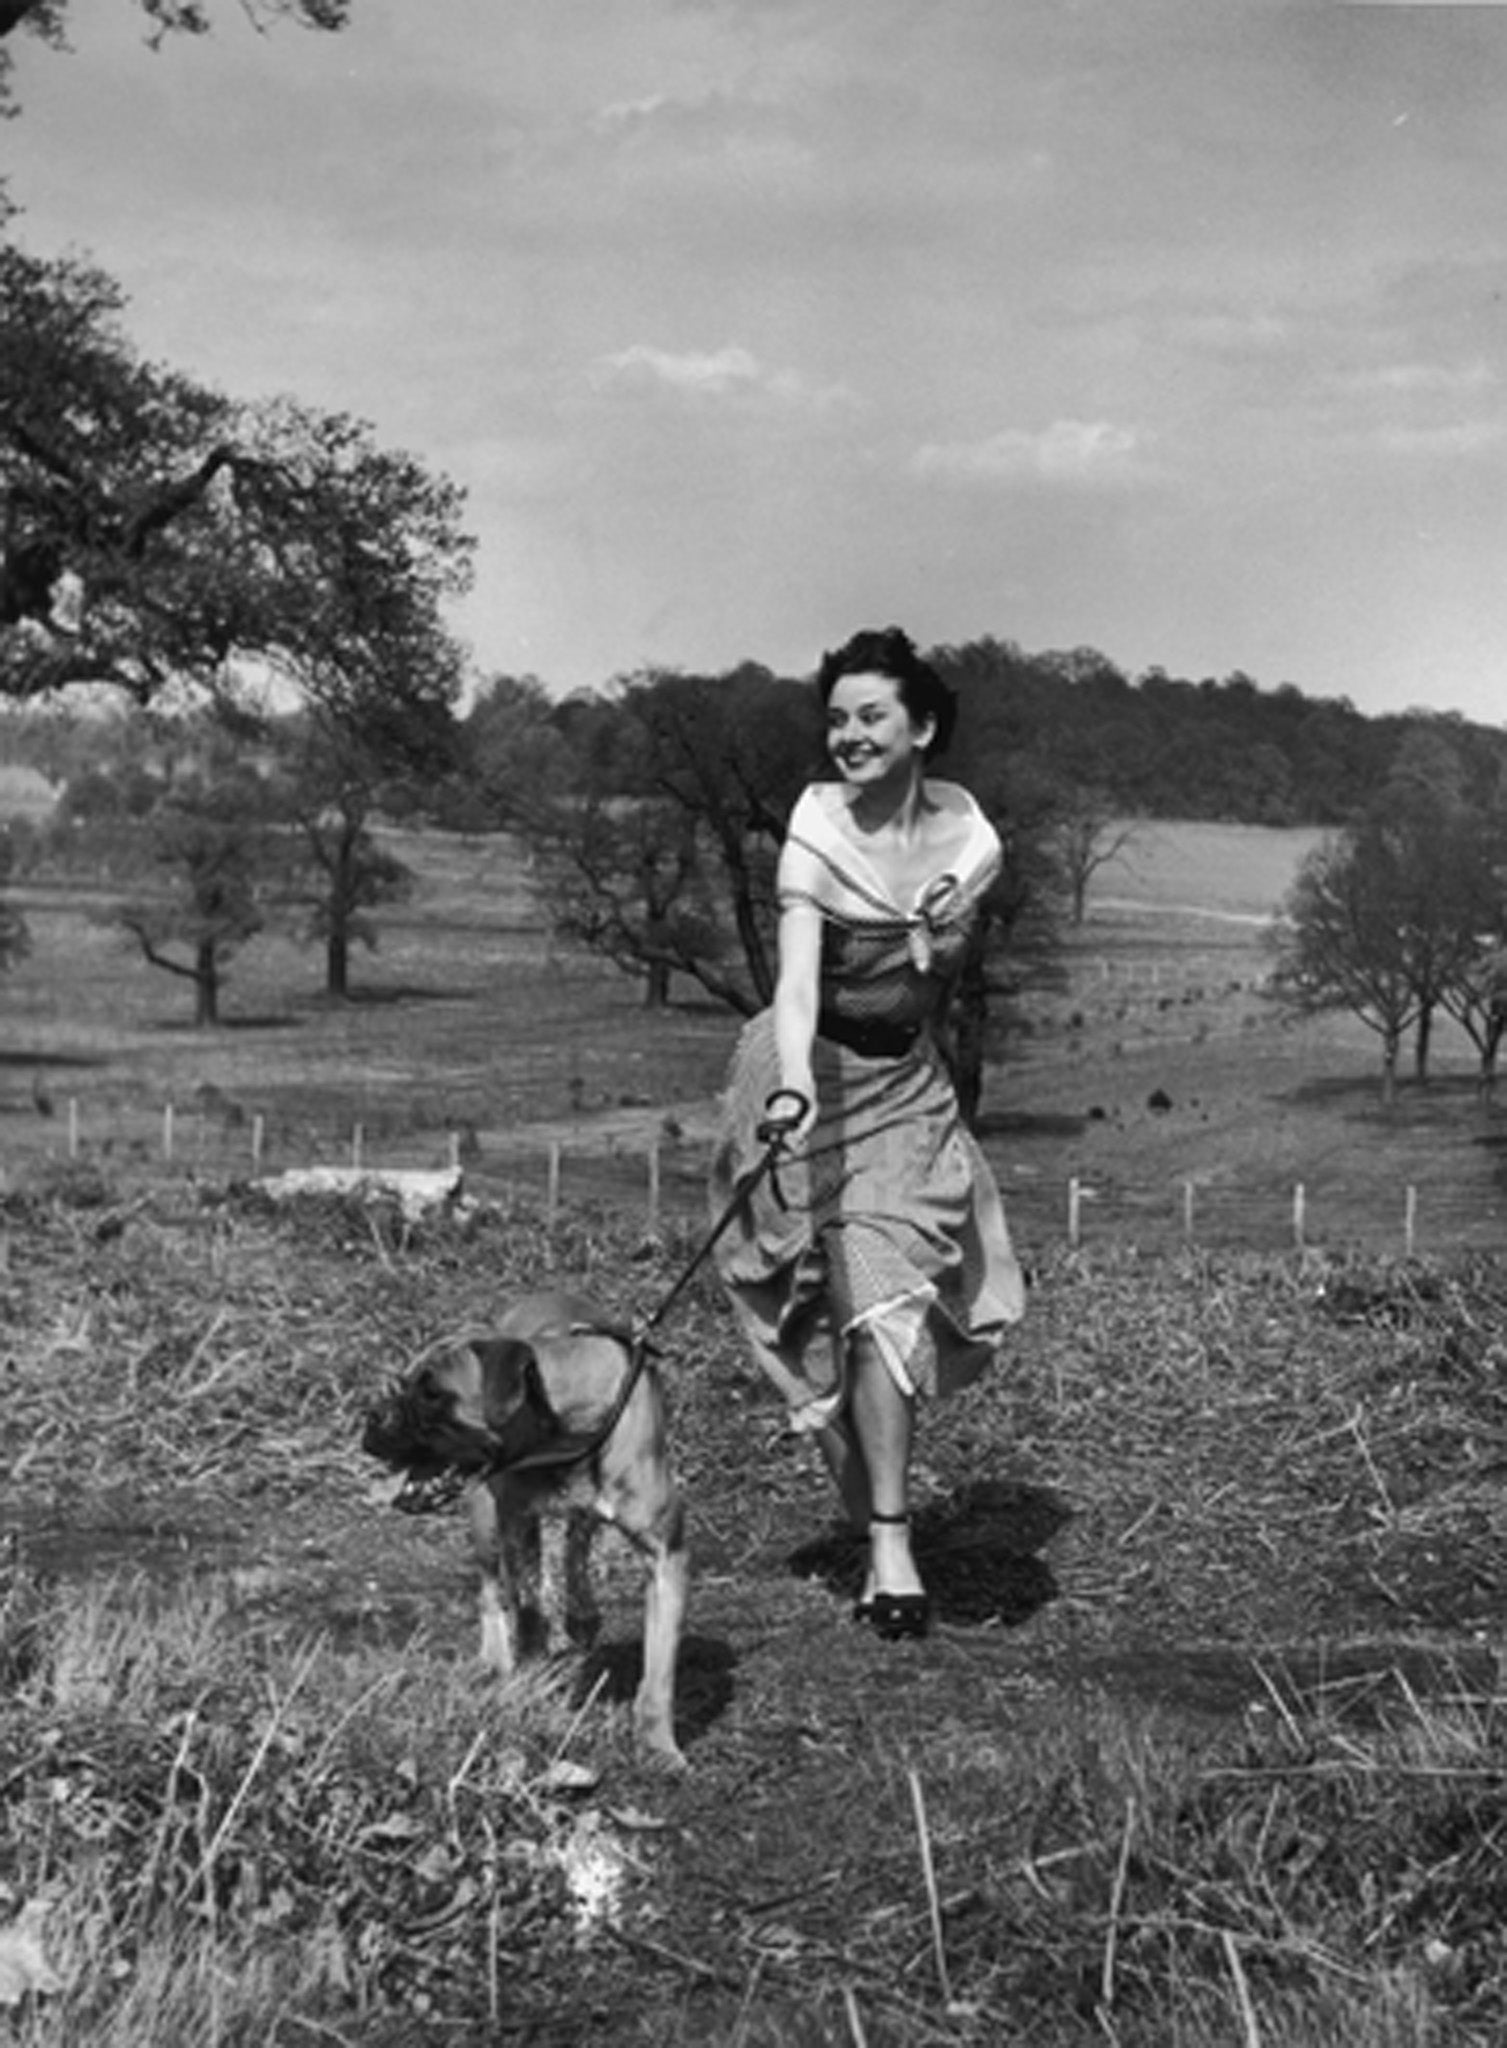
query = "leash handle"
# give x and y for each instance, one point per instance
(772, 1134)
(777, 1124)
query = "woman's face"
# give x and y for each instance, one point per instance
(870, 733)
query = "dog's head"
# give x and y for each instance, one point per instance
(474, 1408)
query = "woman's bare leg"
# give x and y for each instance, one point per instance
(883, 1427)
(844, 1460)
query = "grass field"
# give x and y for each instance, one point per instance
(1208, 1747)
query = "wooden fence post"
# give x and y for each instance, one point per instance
(258, 1134)
(167, 1130)
(1188, 1210)
(552, 1189)
(73, 1127)
(357, 1139)
(1299, 1205)
(1410, 1222)
(1074, 1211)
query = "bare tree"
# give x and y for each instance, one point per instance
(1085, 836)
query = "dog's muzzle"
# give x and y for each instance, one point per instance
(429, 1493)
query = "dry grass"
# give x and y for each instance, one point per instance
(1207, 1749)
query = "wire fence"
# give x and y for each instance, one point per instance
(661, 1176)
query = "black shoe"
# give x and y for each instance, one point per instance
(896, 1617)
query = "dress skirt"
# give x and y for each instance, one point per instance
(886, 1219)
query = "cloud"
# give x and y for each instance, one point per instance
(1458, 438)
(1398, 380)
(1068, 452)
(726, 373)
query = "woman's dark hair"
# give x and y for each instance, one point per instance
(888, 652)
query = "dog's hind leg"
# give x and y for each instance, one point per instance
(582, 1616)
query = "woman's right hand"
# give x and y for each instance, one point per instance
(789, 1113)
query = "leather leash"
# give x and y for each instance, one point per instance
(773, 1133)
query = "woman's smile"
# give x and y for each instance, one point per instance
(870, 733)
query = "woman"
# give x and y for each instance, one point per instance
(873, 1265)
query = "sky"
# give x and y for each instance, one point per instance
(1172, 328)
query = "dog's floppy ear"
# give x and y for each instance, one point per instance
(514, 1404)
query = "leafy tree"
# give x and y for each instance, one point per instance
(331, 786)
(210, 838)
(159, 537)
(1345, 942)
(514, 759)
(1394, 919)
(15, 937)
(1476, 997)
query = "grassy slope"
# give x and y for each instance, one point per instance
(1209, 1739)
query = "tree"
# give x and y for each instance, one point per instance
(1451, 898)
(48, 21)
(732, 752)
(659, 849)
(513, 758)
(1085, 836)
(1477, 1000)
(1345, 942)
(161, 538)
(332, 783)
(1015, 943)
(15, 937)
(211, 840)
(626, 878)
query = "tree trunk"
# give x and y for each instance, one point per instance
(206, 985)
(337, 965)
(1390, 1045)
(968, 1020)
(1486, 1079)
(1422, 1039)
(657, 985)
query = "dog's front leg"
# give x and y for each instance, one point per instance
(501, 1547)
(664, 1617)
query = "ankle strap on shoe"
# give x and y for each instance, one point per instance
(890, 1521)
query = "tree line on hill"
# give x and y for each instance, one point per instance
(653, 811)
(264, 588)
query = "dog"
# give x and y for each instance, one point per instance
(519, 1417)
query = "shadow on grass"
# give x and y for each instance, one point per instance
(977, 1552)
(1356, 1681)
(63, 1061)
(366, 998)
(1024, 1123)
(185, 1027)
(703, 1678)
(1438, 1099)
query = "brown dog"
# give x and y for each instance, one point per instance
(509, 1413)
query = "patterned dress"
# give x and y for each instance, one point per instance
(887, 1218)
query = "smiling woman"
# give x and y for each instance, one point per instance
(874, 1267)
